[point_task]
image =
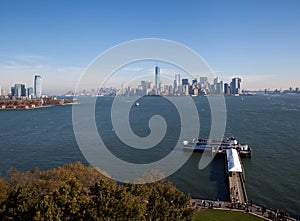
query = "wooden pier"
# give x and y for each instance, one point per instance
(237, 191)
(236, 177)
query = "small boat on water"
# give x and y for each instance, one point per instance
(218, 146)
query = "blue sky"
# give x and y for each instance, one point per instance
(258, 40)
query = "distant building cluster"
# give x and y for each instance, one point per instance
(182, 87)
(19, 91)
(276, 91)
(94, 92)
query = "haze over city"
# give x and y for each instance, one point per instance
(255, 40)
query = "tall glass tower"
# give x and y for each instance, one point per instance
(37, 86)
(157, 70)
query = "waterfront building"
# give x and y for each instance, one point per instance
(186, 90)
(19, 91)
(211, 89)
(216, 81)
(235, 86)
(185, 81)
(165, 90)
(3, 93)
(179, 90)
(195, 91)
(175, 85)
(23, 91)
(194, 82)
(12, 91)
(30, 92)
(226, 89)
(157, 73)
(37, 86)
(178, 79)
(204, 85)
(203, 80)
(219, 87)
(171, 90)
(145, 86)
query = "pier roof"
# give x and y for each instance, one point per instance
(233, 161)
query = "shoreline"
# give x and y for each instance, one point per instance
(33, 108)
(251, 208)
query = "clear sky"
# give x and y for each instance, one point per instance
(258, 40)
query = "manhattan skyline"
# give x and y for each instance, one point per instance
(255, 40)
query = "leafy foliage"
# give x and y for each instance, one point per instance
(77, 192)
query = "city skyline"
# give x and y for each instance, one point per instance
(256, 40)
(182, 86)
(202, 84)
(20, 91)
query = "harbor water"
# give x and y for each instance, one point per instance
(269, 124)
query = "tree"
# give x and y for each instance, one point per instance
(47, 210)
(22, 202)
(129, 206)
(3, 197)
(102, 200)
(4, 190)
(77, 192)
(166, 202)
(70, 200)
(111, 202)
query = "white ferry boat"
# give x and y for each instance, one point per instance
(219, 146)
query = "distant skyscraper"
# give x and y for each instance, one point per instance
(146, 85)
(30, 93)
(19, 91)
(12, 91)
(226, 89)
(216, 81)
(23, 90)
(157, 73)
(37, 86)
(220, 87)
(176, 82)
(194, 81)
(185, 81)
(235, 86)
(203, 80)
(177, 79)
